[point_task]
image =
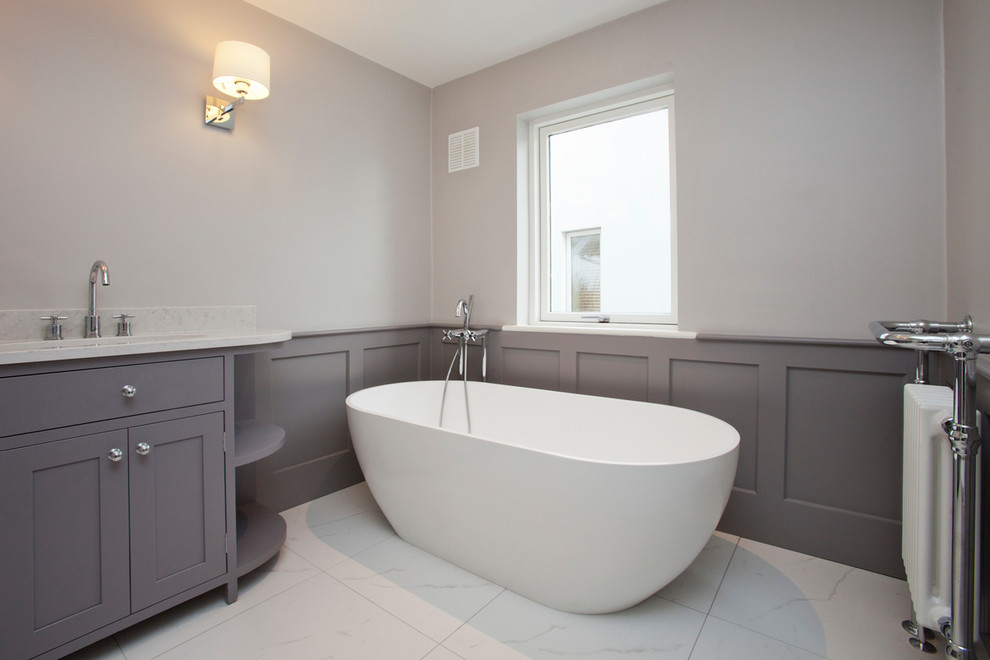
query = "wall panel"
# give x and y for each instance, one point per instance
(531, 368)
(308, 400)
(837, 454)
(391, 364)
(618, 376)
(727, 391)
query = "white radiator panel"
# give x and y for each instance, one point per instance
(926, 542)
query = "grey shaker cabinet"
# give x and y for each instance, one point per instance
(101, 538)
(114, 506)
(64, 552)
(177, 519)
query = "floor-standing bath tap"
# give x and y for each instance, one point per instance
(463, 336)
(99, 271)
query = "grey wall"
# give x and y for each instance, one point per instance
(967, 128)
(810, 160)
(316, 208)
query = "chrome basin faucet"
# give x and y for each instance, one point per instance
(99, 271)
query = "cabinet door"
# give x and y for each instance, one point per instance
(178, 509)
(63, 546)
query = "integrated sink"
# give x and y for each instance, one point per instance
(91, 342)
(161, 330)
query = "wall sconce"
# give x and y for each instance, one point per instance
(242, 71)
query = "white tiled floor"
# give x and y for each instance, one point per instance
(345, 586)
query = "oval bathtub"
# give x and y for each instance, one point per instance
(585, 504)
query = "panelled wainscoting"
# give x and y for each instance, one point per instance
(820, 455)
(304, 385)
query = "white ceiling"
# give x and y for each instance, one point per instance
(436, 41)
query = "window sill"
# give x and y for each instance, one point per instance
(617, 329)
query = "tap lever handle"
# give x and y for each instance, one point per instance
(54, 331)
(124, 327)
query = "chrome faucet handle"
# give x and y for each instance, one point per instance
(124, 327)
(54, 330)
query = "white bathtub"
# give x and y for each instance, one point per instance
(585, 504)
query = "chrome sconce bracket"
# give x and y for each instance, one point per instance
(220, 112)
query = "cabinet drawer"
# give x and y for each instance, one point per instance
(46, 401)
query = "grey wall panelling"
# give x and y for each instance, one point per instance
(820, 422)
(730, 392)
(302, 386)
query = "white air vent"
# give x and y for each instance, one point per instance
(462, 150)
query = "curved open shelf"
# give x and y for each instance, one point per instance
(260, 532)
(260, 535)
(255, 440)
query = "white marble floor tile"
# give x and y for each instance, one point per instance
(333, 528)
(169, 629)
(441, 653)
(515, 627)
(721, 640)
(697, 585)
(432, 595)
(106, 649)
(827, 608)
(319, 618)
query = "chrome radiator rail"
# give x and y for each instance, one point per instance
(957, 340)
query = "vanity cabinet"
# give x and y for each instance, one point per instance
(114, 522)
(116, 493)
(177, 517)
(64, 550)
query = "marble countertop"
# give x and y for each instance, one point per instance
(24, 351)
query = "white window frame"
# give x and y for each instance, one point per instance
(540, 241)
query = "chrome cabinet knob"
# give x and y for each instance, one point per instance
(115, 455)
(128, 391)
(143, 448)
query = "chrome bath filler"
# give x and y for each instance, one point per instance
(463, 335)
(958, 340)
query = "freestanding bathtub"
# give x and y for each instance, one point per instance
(585, 504)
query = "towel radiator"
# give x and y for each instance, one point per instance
(958, 340)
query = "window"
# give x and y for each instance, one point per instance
(584, 270)
(605, 213)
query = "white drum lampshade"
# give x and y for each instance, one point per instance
(241, 70)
